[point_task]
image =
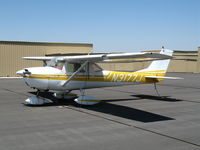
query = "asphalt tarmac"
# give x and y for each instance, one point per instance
(132, 117)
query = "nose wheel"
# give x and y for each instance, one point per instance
(36, 100)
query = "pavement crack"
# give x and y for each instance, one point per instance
(18, 93)
(133, 126)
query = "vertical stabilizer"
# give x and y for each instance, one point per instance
(159, 65)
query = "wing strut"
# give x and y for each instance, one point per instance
(75, 73)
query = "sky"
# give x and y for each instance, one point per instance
(111, 25)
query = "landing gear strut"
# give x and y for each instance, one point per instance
(38, 92)
(86, 100)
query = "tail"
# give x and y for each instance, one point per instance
(158, 68)
(159, 65)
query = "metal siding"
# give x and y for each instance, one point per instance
(11, 54)
(198, 62)
(69, 49)
(187, 64)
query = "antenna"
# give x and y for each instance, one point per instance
(89, 52)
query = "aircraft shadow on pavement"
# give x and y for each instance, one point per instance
(127, 112)
(110, 108)
(160, 98)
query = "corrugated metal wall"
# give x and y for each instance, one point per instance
(198, 61)
(11, 54)
(183, 61)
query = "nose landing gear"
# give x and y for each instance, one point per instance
(36, 100)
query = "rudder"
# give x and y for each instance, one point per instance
(159, 65)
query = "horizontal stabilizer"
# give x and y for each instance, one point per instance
(160, 77)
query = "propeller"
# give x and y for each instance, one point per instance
(24, 72)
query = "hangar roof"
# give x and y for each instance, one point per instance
(45, 43)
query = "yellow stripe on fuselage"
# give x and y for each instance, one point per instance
(112, 76)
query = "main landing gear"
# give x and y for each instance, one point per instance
(82, 99)
(86, 100)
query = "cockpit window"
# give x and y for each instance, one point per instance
(73, 67)
(59, 65)
(96, 67)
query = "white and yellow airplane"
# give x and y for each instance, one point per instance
(66, 73)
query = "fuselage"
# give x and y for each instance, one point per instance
(67, 73)
(51, 78)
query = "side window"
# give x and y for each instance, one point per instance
(96, 68)
(73, 67)
(70, 67)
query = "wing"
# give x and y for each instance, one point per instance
(39, 58)
(130, 60)
(103, 57)
(110, 57)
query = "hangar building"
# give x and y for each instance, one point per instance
(183, 61)
(11, 53)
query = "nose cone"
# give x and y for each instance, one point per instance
(20, 72)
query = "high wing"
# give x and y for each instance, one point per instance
(39, 58)
(129, 60)
(104, 57)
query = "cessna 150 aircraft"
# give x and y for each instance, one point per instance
(66, 73)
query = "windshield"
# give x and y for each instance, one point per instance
(57, 65)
